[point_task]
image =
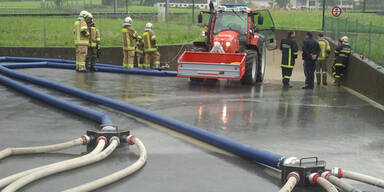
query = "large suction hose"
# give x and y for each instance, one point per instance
(104, 119)
(7, 180)
(117, 175)
(232, 146)
(315, 178)
(358, 177)
(292, 179)
(65, 166)
(40, 149)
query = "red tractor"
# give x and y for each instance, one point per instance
(236, 39)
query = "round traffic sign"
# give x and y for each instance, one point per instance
(336, 11)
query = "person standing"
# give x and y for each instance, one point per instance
(289, 51)
(321, 65)
(311, 51)
(150, 48)
(81, 37)
(129, 43)
(342, 53)
(94, 44)
(139, 51)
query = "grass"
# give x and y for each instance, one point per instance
(29, 31)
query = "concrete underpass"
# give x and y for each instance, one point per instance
(328, 122)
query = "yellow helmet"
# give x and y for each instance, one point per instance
(127, 21)
(344, 39)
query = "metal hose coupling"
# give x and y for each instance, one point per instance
(313, 178)
(102, 138)
(294, 174)
(130, 139)
(337, 172)
(326, 174)
(115, 138)
(86, 139)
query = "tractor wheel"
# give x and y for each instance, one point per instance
(251, 68)
(262, 65)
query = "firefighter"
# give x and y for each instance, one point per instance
(94, 44)
(139, 51)
(311, 51)
(321, 65)
(342, 53)
(129, 43)
(150, 48)
(289, 51)
(81, 37)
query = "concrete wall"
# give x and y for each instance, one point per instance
(109, 55)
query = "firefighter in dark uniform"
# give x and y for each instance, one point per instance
(342, 53)
(311, 51)
(289, 51)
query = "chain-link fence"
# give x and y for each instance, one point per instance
(365, 32)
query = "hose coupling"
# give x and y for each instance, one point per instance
(115, 138)
(102, 138)
(313, 178)
(294, 174)
(86, 139)
(338, 172)
(326, 174)
(130, 139)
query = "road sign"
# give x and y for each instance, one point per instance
(336, 11)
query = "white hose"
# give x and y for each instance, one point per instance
(21, 182)
(7, 180)
(363, 178)
(329, 187)
(342, 184)
(117, 175)
(39, 149)
(289, 185)
(292, 180)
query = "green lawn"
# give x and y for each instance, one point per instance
(29, 31)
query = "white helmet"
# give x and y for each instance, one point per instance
(344, 39)
(148, 26)
(127, 21)
(90, 15)
(84, 13)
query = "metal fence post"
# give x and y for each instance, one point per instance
(45, 31)
(369, 39)
(357, 35)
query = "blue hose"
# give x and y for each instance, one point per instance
(69, 64)
(244, 151)
(102, 118)
(25, 65)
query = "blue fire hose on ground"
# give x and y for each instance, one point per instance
(102, 118)
(244, 151)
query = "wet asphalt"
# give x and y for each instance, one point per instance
(328, 122)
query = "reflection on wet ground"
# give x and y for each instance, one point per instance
(328, 122)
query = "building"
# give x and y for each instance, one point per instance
(201, 4)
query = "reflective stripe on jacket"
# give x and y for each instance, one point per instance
(79, 37)
(289, 51)
(342, 53)
(149, 39)
(129, 39)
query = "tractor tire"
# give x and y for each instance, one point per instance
(262, 65)
(251, 68)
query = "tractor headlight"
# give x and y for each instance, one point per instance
(228, 44)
